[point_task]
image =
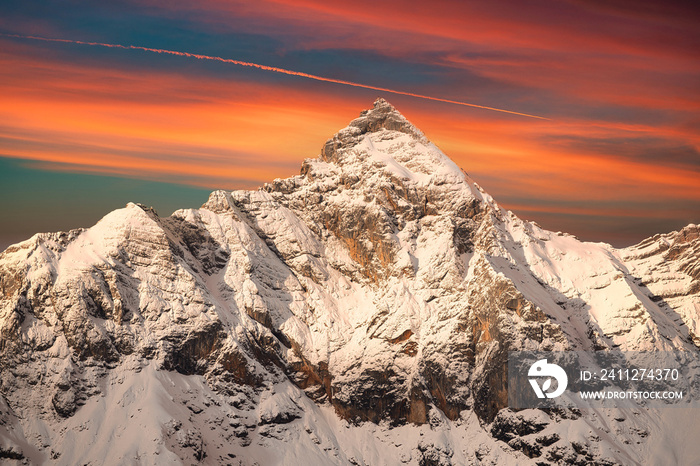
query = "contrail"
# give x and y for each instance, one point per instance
(271, 68)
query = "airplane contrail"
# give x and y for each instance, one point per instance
(271, 68)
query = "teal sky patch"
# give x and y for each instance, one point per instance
(36, 200)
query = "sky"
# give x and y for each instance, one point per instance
(84, 129)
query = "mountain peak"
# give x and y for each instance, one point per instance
(383, 115)
(381, 284)
(383, 143)
(381, 106)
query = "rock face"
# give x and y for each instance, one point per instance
(358, 313)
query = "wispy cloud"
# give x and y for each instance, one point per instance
(275, 70)
(618, 82)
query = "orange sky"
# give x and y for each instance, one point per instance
(622, 140)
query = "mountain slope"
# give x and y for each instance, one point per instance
(358, 313)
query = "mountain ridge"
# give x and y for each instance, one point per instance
(372, 297)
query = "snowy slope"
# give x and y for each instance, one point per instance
(358, 313)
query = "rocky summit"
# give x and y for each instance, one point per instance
(358, 313)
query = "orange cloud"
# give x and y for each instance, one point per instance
(545, 26)
(233, 132)
(541, 25)
(61, 113)
(273, 69)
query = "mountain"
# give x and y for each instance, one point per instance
(358, 313)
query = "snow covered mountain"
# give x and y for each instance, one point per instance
(358, 313)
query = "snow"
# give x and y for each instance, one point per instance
(386, 263)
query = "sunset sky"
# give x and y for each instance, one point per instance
(84, 129)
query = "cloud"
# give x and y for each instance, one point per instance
(273, 69)
(619, 84)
